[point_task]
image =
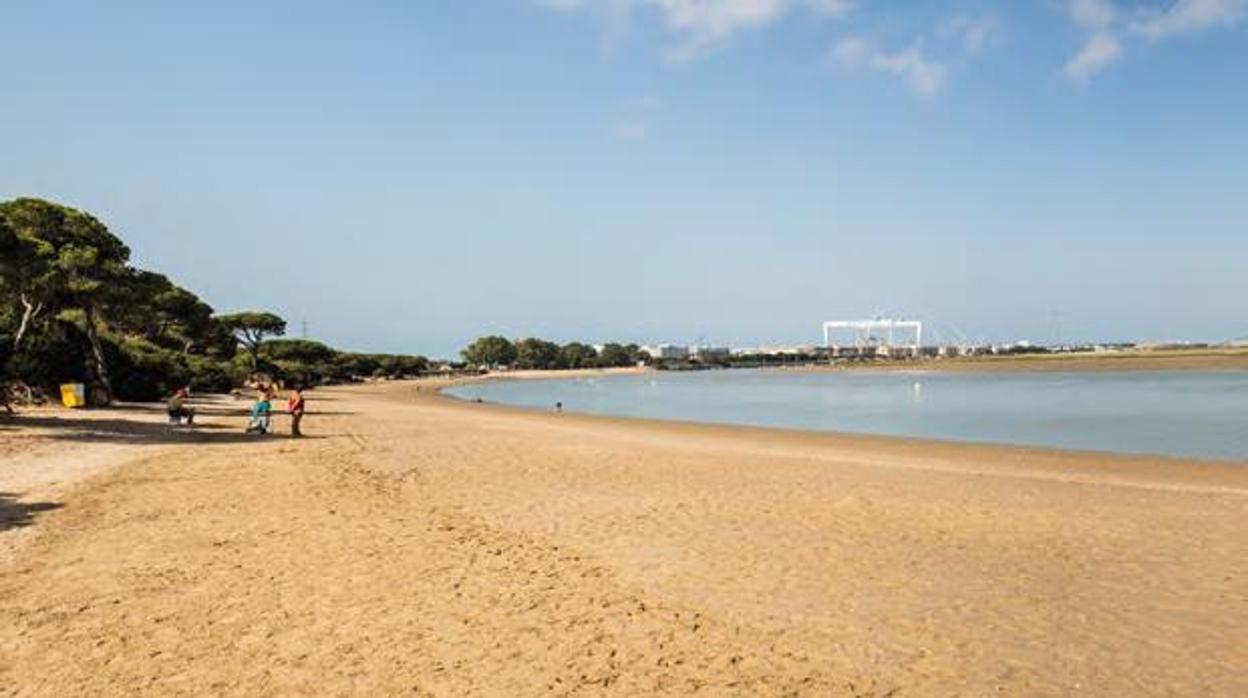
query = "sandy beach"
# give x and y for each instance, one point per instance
(413, 544)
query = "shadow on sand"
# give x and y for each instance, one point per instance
(128, 431)
(15, 514)
(219, 408)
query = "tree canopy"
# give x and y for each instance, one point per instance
(577, 355)
(534, 353)
(73, 309)
(251, 328)
(490, 351)
(171, 317)
(303, 350)
(65, 260)
(620, 355)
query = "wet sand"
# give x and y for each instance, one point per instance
(419, 545)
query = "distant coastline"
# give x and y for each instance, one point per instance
(1205, 359)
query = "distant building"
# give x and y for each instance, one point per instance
(804, 350)
(705, 354)
(887, 334)
(666, 351)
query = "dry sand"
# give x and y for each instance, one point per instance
(416, 545)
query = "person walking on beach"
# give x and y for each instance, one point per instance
(259, 423)
(295, 406)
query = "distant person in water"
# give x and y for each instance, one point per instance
(259, 423)
(295, 406)
(558, 406)
(177, 409)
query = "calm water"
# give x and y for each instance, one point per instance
(1197, 414)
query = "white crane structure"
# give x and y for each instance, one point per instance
(880, 332)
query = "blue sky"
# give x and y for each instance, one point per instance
(407, 176)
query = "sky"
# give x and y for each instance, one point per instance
(406, 176)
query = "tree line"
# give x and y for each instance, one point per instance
(534, 353)
(73, 309)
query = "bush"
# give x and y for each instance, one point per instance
(357, 365)
(209, 375)
(6, 353)
(303, 351)
(51, 357)
(142, 371)
(299, 373)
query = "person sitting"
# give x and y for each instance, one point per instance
(260, 411)
(177, 408)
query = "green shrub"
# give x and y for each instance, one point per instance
(143, 371)
(208, 375)
(55, 355)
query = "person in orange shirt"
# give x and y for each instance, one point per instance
(295, 406)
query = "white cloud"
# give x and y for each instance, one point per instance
(1104, 21)
(1092, 14)
(703, 24)
(1099, 52)
(924, 76)
(975, 34)
(1101, 48)
(1187, 16)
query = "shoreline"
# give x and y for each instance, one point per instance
(859, 438)
(1069, 465)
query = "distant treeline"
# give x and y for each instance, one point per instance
(534, 353)
(73, 309)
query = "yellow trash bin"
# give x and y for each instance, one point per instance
(74, 395)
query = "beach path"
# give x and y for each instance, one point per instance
(413, 544)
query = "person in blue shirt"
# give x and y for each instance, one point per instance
(260, 414)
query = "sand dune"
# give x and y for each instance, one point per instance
(418, 545)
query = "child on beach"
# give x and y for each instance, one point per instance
(259, 423)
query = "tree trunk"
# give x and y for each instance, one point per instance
(101, 368)
(29, 312)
